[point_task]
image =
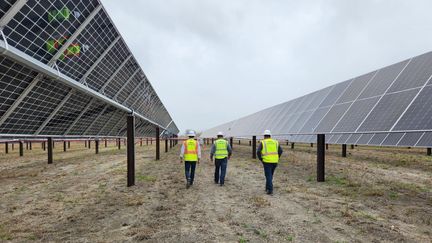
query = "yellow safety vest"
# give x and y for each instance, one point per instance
(221, 149)
(269, 151)
(190, 150)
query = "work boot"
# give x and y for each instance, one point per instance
(269, 192)
(188, 184)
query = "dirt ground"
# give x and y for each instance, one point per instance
(373, 195)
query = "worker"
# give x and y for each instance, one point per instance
(269, 151)
(221, 150)
(190, 153)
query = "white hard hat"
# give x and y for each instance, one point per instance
(267, 132)
(191, 133)
(220, 134)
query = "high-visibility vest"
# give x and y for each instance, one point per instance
(269, 152)
(59, 15)
(190, 150)
(221, 149)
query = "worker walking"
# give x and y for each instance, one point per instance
(269, 151)
(191, 153)
(221, 150)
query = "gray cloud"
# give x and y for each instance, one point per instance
(213, 61)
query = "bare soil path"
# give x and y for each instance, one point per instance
(374, 195)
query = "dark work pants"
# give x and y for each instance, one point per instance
(220, 166)
(190, 170)
(269, 169)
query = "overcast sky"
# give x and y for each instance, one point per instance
(212, 61)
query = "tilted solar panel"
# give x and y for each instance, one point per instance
(66, 71)
(391, 106)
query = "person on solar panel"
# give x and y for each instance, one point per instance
(221, 150)
(191, 154)
(269, 151)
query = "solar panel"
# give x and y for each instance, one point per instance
(65, 70)
(418, 116)
(416, 74)
(392, 139)
(377, 139)
(332, 117)
(389, 106)
(410, 139)
(387, 111)
(425, 140)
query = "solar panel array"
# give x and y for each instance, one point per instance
(391, 106)
(65, 70)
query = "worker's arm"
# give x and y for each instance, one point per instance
(259, 149)
(182, 152)
(229, 150)
(199, 152)
(212, 151)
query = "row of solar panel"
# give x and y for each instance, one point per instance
(98, 57)
(394, 98)
(80, 115)
(410, 139)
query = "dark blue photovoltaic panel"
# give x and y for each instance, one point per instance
(314, 119)
(355, 115)
(382, 80)
(332, 117)
(392, 139)
(387, 111)
(425, 140)
(410, 139)
(353, 139)
(356, 86)
(419, 114)
(378, 138)
(335, 93)
(343, 139)
(416, 74)
(365, 138)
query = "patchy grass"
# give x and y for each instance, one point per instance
(146, 178)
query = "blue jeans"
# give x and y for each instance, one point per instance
(220, 166)
(190, 170)
(269, 169)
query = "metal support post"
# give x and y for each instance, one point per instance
(157, 144)
(118, 143)
(97, 146)
(50, 150)
(64, 146)
(130, 150)
(254, 147)
(429, 151)
(344, 148)
(292, 145)
(21, 148)
(320, 158)
(166, 145)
